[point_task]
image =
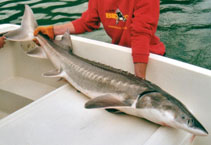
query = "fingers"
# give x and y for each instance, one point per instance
(41, 29)
(140, 70)
(36, 41)
(2, 42)
(37, 30)
(47, 30)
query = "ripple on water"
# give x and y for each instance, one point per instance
(73, 9)
(48, 4)
(59, 17)
(4, 14)
(9, 5)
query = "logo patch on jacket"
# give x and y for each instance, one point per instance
(118, 16)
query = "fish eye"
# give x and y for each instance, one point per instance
(190, 121)
(183, 117)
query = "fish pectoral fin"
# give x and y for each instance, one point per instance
(38, 52)
(106, 101)
(55, 73)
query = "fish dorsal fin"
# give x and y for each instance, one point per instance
(55, 73)
(65, 41)
(105, 101)
(26, 31)
(38, 52)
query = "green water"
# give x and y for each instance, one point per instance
(184, 25)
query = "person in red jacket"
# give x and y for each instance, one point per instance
(130, 23)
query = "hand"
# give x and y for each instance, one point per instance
(140, 70)
(2, 42)
(36, 41)
(47, 30)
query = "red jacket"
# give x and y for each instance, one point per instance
(130, 23)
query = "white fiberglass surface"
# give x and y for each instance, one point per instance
(21, 80)
(10, 102)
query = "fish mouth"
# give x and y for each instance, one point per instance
(195, 128)
(200, 130)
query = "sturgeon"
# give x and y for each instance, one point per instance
(107, 87)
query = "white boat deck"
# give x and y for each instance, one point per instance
(23, 87)
(58, 117)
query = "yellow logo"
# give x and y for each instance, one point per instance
(114, 16)
(118, 16)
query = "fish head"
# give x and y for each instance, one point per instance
(186, 121)
(164, 109)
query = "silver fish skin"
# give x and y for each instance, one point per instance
(107, 87)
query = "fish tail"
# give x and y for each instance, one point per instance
(26, 31)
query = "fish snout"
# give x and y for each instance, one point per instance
(198, 128)
(192, 125)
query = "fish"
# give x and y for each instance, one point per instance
(107, 87)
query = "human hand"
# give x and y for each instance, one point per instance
(2, 42)
(140, 70)
(36, 41)
(47, 30)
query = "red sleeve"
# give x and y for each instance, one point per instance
(143, 27)
(89, 20)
